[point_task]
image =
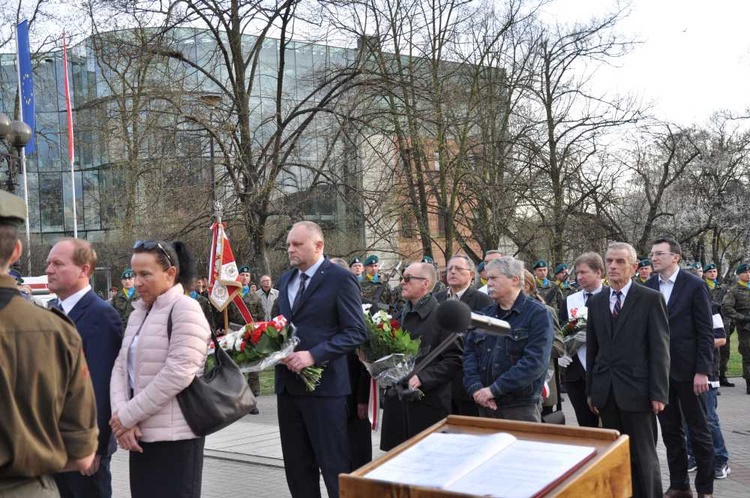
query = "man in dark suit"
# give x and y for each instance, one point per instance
(691, 344)
(627, 363)
(460, 275)
(70, 264)
(323, 301)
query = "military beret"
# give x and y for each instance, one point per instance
(480, 267)
(354, 261)
(371, 260)
(539, 264)
(709, 267)
(644, 263)
(742, 268)
(695, 266)
(560, 267)
(428, 259)
(244, 269)
(12, 209)
(127, 273)
(16, 275)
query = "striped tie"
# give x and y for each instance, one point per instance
(618, 305)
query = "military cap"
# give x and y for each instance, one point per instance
(354, 262)
(12, 209)
(560, 267)
(695, 266)
(428, 259)
(644, 263)
(742, 268)
(371, 260)
(127, 273)
(709, 267)
(480, 267)
(16, 275)
(244, 269)
(539, 264)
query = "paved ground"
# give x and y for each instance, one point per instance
(245, 460)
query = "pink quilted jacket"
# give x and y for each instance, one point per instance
(162, 368)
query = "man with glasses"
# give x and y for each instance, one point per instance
(505, 375)
(124, 299)
(460, 275)
(407, 414)
(691, 344)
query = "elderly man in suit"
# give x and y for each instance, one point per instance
(460, 274)
(691, 346)
(70, 264)
(627, 363)
(322, 300)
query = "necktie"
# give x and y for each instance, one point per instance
(55, 303)
(586, 297)
(302, 280)
(618, 304)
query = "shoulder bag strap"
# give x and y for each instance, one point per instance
(213, 336)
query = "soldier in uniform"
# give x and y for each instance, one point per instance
(357, 268)
(550, 292)
(644, 270)
(50, 425)
(124, 299)
(736, 307)
(373, 289)
(717, 291)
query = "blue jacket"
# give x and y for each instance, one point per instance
(513, 366)
(330, 324)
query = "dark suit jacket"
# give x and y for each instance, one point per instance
(628, 356)
(329, 323)
(691, 337)
(474, 299)
(100, 327)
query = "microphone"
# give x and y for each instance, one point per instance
(456, 316)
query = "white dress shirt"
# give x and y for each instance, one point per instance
(613, 298)
(667, 286)
(291, 289)
(70, 302)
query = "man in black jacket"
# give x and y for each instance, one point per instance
(460, 274)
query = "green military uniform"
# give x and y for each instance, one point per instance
(374, 291)
(736, 307)
(255, 307)
(124, 304)
(47, 407)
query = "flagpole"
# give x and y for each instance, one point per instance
(217, 218)
(71, 142)
(23, 156)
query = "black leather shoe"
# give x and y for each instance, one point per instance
(678, 493)
(724, 382)
(255, 411)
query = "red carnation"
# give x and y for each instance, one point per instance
(395, 324)
(243, 345)
(381, 325)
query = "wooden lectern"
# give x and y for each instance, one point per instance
(607, 474)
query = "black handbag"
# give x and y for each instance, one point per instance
(219, 397)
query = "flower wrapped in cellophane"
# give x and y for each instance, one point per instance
(261, 345)
(390, 351)
(574, 332)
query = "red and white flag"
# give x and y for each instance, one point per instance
(223, 277)
(68, 106)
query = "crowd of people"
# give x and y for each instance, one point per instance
(631, 341)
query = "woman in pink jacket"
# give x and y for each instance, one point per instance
(166, 458)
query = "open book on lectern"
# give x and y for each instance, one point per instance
(497, 465)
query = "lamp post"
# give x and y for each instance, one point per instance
(15, 135)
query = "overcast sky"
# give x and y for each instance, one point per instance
(694, 57)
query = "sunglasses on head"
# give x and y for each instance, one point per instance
(152, 245)
(409, 278)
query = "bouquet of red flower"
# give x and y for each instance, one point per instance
(574, 332)
(261, 345)
(390, 352)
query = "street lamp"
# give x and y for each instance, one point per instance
(15, 135)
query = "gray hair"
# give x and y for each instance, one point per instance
(336, 261)
(508, 266)
(624, 246)
(467, 259)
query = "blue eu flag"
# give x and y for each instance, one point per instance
(27, 82)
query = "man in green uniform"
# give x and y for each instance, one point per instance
(49, 425)
(717, 291)
(550, 292)
(255, 307)
(357, 268)
(374, 290)
(736, 307)
(644, 271)
(124, 299)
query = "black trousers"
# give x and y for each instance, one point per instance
(75, 485)
(314, 436)
(167, 469)
(644, 462)
(360, 441)
(684, 402)
(577, 396)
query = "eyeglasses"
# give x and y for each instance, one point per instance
(409, 278)
(456, 269)
(659, 254)
(150, 245)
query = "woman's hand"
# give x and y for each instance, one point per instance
(117, 426)
(129, 440)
